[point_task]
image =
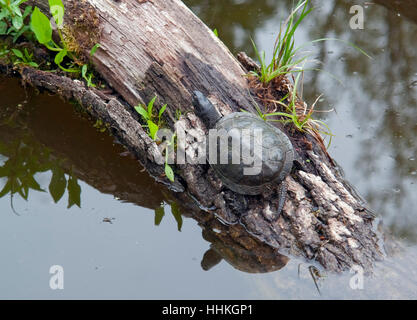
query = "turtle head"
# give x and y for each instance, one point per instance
(205, 110)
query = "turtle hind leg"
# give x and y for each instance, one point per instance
(274, 207)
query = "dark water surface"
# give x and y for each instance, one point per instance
(116, 246)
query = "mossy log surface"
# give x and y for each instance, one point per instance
(160, 47)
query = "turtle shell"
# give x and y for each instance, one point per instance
(264, 157)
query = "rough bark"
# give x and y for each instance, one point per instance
(160, 47)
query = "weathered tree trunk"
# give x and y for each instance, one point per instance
(160, 47)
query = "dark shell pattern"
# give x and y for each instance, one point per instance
(276, 158)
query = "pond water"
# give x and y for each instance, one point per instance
(91, 210)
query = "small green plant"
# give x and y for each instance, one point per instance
(42, 28)
(100, 126)
(284, 59)
(216, 33)
(153, 122)
(24, 58)
(12, 19)
(88, 76)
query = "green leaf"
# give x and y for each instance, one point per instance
(84, 71)
(150, 106)
(28, 11)
(161, 111)
(57, 9)
(60, 56)
(28, 55)
(159, 214)
(169, 172)
(153, 129)
(18, 53)
(74, 192)
(89, 81)
(94, 49)
(41, 26)
(58, 184)
(17, 22)
(216, 33)
(141, 110)
(3, 27)
(3, 14)
(21, 31)
(177, 215)
(16, 10)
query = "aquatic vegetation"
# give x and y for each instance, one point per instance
(153, 121)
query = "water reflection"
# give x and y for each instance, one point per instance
(235, 20)
(25, 159)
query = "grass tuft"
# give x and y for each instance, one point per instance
(273, 87)
(284, 59)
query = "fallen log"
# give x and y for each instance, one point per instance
(160, 47)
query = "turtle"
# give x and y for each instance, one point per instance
(275, 159)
